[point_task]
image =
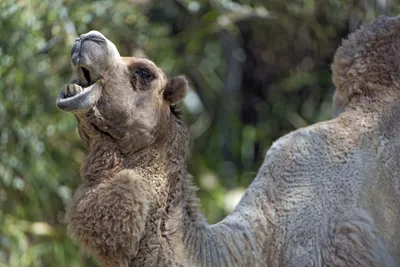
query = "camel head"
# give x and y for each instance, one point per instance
(125, 98)
(367, 62)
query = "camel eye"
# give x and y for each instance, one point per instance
(144, 73)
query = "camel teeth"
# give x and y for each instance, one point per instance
(71, 90)
(66, 90)
(76, 89)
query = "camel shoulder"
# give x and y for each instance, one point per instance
(304, 143)
(303, 155)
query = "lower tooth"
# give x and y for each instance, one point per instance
(77, 88)
(71, 90)
(66, 90)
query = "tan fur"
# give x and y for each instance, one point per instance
(326, 195)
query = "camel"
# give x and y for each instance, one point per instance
(326, 195)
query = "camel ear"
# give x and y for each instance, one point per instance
(176, 89)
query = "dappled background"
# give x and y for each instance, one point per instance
(258, 69)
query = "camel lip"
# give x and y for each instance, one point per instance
(82, 101)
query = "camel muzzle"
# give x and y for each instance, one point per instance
(89, 56)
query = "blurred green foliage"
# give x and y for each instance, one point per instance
(258, 69)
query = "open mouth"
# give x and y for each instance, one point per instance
(79, 97)
(71, 90)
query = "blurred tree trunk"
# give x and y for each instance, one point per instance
(274, 49)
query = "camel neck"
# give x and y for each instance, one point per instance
(235, 241)
(162, 158)
(102, 162)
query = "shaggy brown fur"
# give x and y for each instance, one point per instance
(326, 195)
